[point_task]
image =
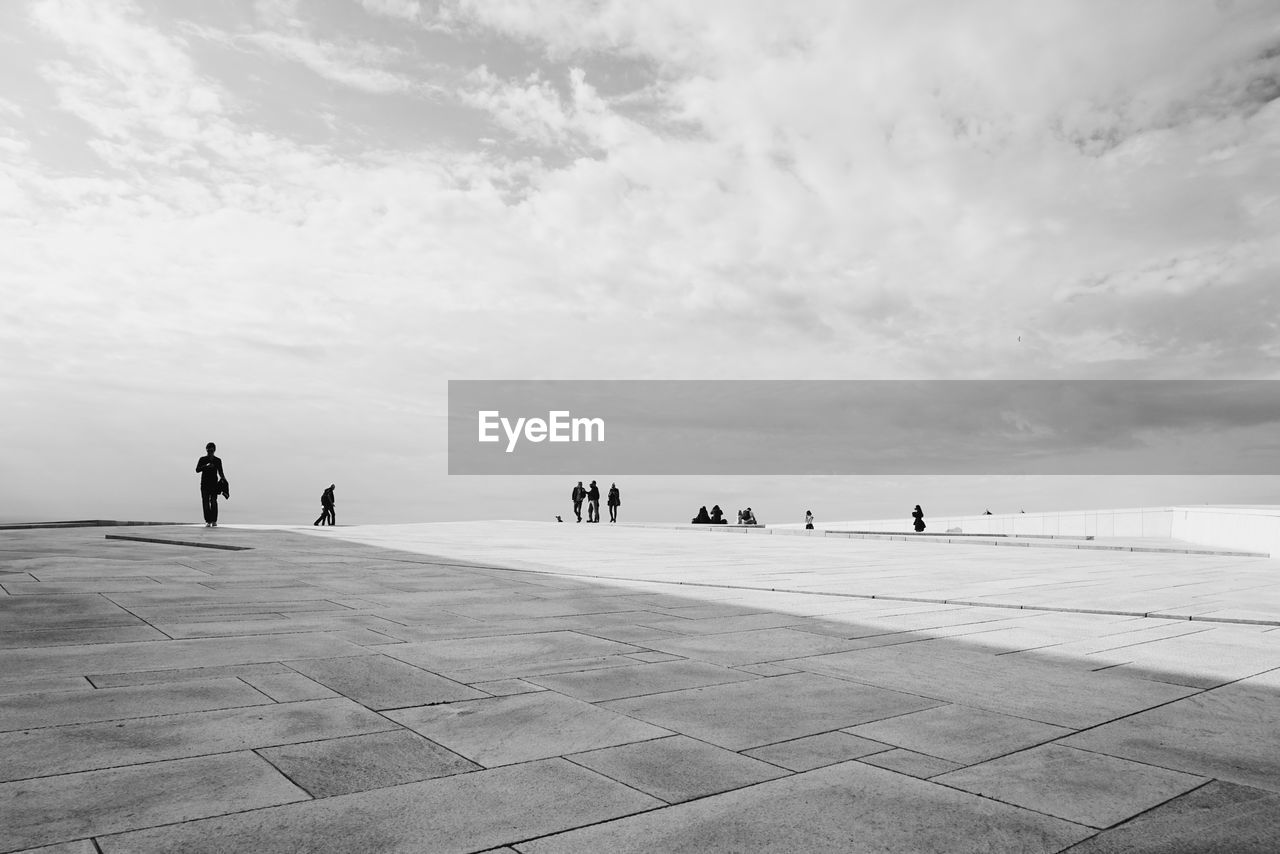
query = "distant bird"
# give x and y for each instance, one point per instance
(1019, 337)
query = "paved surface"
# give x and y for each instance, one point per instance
(625, 689)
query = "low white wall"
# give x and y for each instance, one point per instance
(1238, 528)
(1249, 528)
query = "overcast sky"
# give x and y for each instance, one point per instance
(283, 226)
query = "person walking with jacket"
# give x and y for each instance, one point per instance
(593, 503)
(327, 516)
(615, 501)
(209, 467)
(578, 495)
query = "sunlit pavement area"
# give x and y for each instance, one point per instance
(589, 688)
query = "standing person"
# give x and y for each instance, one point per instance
(918, 515)
(808, 520)
(593, 503)
(615, 500)
(327, 516)
(209, 468)
(578, 495)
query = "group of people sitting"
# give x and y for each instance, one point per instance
(716, 516)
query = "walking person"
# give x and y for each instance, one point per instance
(593, 503)
(615, 501)
(212, 483)
(918, 515)
(327, 516)
(578, 495)
(808, 520)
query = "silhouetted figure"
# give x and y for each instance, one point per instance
(748, 516)
(702, 518)
(212, 483)
(615, 501)
(593, 503)
(327, 516)
(808, 520)
(717, 516)
(579, 495)
(988, 513)
(558, 519)
(918, 515)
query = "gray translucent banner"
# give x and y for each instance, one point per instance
(939, 427)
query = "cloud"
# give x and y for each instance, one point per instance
(349, 65)
(408, 10)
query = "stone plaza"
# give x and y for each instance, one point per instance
(527, 687)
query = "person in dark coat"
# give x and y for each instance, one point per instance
(702, 518)
(578, 495)
(918, 515)
(593, 503)
(615, 501)
(717, 516)
(209, 467)
(327, 516)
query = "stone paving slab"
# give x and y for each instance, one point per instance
(765, 711)
(816, 751)
(52, 809)
(752, 647)
(845, 807)
(73, 637)
(183, 674)
(339, 766)
(66, 612)
(81, 747)
(960, 734)
(1088, 788)
(381, 683)
(521, 727)
(644, 678)
(125, 657)
(1023, 687)
(84, 846)
(466, 812)
(1218, 817)
(32, 711)
(677, 768)
(910, 763)
(1228, 733)
(459, 656)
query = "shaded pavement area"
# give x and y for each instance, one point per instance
(543, 688)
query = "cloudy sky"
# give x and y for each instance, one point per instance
(284, 226)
